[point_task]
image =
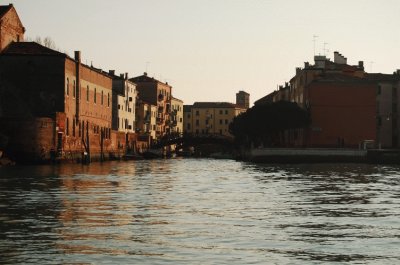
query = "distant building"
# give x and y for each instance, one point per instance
(176, 115)
(210, 117)
(65, 105)
(156, 93)
(387, 108)
(124, 103)
(243, 99)
(340, 99)
(146, 115)
(11, 28)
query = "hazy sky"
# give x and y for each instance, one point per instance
(210, 49)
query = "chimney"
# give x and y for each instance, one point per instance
(111, 72)
(78, 56)
(298, 69)
(306, 64)
(121, 75)
(145, 73)
(126, 76)
(361, 65)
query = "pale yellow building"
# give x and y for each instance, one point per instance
(176, 115)
(210, 117)
(146, 115)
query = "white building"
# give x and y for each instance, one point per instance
(123, 103)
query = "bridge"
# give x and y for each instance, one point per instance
(186, 140)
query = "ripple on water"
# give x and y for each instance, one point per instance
(199, 211)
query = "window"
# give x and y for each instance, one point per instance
(74, 91)
(102, 97)
(197, 113)
(226, 121)
(73, 128)
(220, 122)
(108, 99)
(67, 127)
(87, 94)
(206, 121)
(67, 87)
(394, 92)
(180, 119)
(197, 122)
(379, 90)
(226, 111)
(95, 95)
(220, 131)
(119, 106)
(220, 111)
(188, 126)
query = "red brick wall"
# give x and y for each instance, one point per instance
(11, 29)
(342, 110)
(29, 139)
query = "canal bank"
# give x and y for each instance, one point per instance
(321, 155)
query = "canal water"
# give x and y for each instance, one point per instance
(200, 211)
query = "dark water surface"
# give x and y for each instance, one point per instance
(188, 211)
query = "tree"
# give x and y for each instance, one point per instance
(266, 123)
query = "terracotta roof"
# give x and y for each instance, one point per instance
(30, 48)
(4, 9)
(146, 78)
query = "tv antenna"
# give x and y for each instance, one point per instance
(147, 66)
(314, 40)
(325, 49)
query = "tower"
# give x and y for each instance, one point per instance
(243, 99)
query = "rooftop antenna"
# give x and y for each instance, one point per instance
(314, 40)
(325, 43)
(147, 66)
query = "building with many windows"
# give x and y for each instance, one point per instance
(124, 103)
(210, 117)
(156, 93)
(176, 115)
(61, 108)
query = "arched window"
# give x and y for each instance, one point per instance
(67, 87)
(102, 97)
(95, 91)
(87, 94)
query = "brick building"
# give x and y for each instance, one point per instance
(73, 100)
(340, 99)
(11, 28)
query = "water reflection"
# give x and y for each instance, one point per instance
(199, 211)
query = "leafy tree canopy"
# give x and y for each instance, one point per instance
(269, 119)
